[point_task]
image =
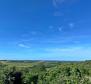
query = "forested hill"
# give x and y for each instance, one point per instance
(45, 72)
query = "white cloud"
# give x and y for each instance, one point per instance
(23, 45)
(64, 49)
(57, 2)
(60, 28)
(71, 25)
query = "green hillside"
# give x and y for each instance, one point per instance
(46, 72)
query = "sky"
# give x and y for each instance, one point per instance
(45, 30)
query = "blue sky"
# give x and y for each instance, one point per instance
(45, 29)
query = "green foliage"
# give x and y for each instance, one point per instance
(49, 72)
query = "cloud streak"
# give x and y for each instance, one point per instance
(23, 45)
(64, 49)
(74, 52)
(57, 3)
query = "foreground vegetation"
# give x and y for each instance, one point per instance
(45, 72)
